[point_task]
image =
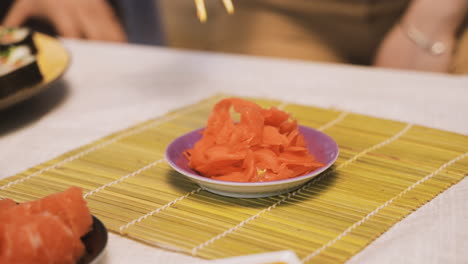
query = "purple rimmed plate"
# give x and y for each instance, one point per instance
(320, 145)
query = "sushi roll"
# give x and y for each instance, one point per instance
(18, 70)
(15, 37)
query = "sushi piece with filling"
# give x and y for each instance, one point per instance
(18, 69)
(10, 37)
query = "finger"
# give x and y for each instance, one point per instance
(66, 23)
(18, 14)
(98, 21)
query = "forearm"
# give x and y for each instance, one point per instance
(437, 21)
(436, 18)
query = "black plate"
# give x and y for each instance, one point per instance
(95, 242)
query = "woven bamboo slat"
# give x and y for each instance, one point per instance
(385, 171)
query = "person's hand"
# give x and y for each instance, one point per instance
(399, 51)
(435, 21)
(88, 19)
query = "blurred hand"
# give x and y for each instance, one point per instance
(437, 21)
(398, 51)
(88, 19)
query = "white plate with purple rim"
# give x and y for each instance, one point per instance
(319, 144)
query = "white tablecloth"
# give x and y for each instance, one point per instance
(110, 87)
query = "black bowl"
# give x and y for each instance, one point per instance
(95, 242)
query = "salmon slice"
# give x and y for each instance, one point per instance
(47, 230)
(5, 204)
(69, 206)
(37, 238)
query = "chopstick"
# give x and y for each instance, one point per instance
(229, 6)
(201, 9)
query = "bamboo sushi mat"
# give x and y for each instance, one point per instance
(385, 171)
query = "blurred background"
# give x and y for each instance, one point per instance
(395, 34)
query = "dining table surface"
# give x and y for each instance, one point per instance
(110, 87)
